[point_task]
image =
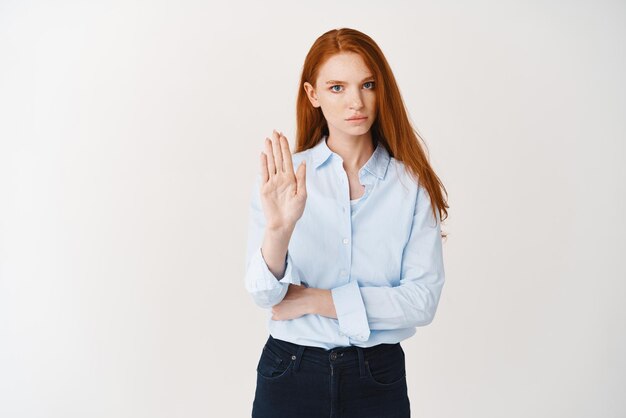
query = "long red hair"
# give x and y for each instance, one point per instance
(391, 126)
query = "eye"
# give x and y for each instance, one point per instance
(369, 85)
(332, 88)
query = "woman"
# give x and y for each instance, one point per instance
(346, 251)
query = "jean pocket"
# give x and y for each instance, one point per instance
(387, 369)
(271, 365)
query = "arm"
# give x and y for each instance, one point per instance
(268, 264)
(277, 202)
(412, 303)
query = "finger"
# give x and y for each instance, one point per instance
(301, 179)
(269, 154)
(287, 161)
(265, 175)
(278, 156)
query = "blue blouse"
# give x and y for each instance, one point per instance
(380, 255)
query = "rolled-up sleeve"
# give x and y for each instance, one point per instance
(266, 289)
(414, 302)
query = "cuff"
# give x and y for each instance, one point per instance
(351, 311)
(266, 288)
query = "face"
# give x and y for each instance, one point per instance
(344, 89)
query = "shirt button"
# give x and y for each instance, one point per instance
(343, 273)
(345, 240)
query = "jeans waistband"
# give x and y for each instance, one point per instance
(350, 356)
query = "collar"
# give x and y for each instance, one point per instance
(376, 165)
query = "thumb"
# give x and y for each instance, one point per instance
(301, 178)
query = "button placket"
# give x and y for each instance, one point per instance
(344, 199)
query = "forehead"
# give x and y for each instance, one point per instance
(345, 66)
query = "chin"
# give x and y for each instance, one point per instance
(358, 130)
(355, 130)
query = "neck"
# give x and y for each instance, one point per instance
(355, 151)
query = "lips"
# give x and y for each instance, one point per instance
(357, 117)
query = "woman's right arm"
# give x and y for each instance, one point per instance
(274, 249)
(277, 203)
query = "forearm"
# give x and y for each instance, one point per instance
(274, 249)
(321, 303)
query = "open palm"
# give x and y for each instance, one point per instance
(283, 193)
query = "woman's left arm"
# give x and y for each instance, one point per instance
(301, 300)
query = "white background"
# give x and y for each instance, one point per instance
(129, 140)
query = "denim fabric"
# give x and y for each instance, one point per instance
(298, 381)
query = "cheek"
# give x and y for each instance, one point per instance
(331, 108)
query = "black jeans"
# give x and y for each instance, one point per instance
(298, 381)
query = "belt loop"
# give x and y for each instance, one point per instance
(359, 351)
(298, 358)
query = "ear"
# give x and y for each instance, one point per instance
(311, 94)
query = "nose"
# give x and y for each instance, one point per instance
(355, 101)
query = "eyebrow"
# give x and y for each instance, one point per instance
(343, 82)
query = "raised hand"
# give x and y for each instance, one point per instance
(283, 194)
